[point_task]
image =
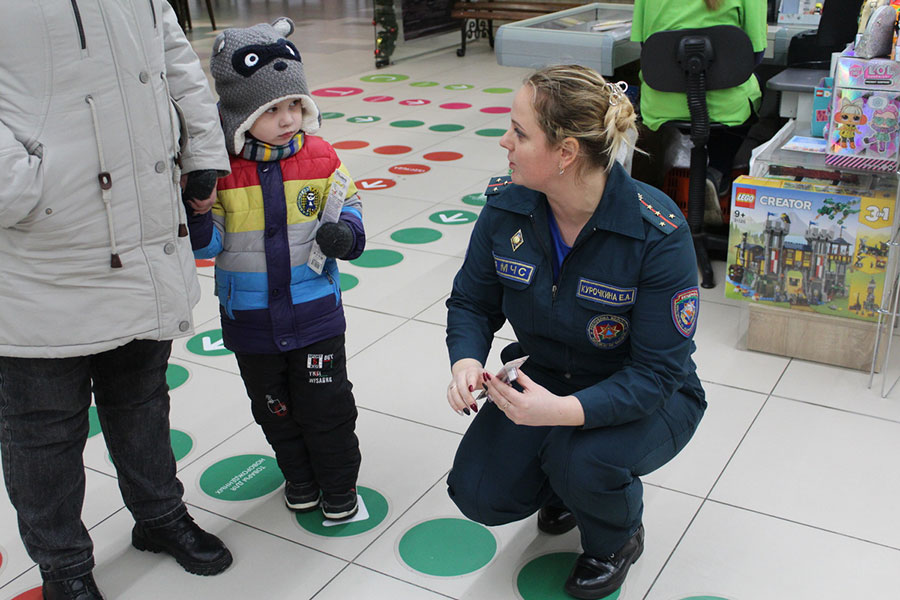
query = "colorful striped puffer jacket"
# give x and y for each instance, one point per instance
(260, 231)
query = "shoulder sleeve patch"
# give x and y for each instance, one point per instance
(685, 306)
(660, 217)
(497, 185)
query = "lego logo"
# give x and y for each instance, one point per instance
(745, 198)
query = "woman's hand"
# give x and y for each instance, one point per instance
(535, 405)
(466, 378)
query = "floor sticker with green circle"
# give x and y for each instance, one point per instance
(497, 90)
(446, 127)
(407, 123)
(208, 343)
(182, 443)
(490, 132)
(332, 115)
(416, 235)
(364, 119)
(478, 199)
(243, 477)
(348, 282)
(373, 509)
(383, 78)
(93, 422)
(543, 578)
(452, 217)
(458, 86)
(424, 83)
(377, 258)
(447, 547)
(176, 376)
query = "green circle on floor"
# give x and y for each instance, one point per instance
(332, 115)
(383, 78)
(93, 421)
(407, 123)
(478, 199)
(544, 577)
(490, 132)
(416, 235)
(182, 443)
(452, 217)
(208, 343)
(243, 477)
(447, 547)
(377, 258)
(459, 86)
(446, 127)
(371, 502)
(497, 90)
(424, 83)
(348, 282)
(176, 375)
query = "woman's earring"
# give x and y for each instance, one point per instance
(561, 170)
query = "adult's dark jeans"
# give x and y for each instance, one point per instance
(43, 429)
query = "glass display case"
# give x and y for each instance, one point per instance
(594, 35)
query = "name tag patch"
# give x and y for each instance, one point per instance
(604, 293)
(684, 310)
(607, 331)
(515, 270)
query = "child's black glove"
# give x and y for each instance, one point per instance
(335, 239)
(199, 184)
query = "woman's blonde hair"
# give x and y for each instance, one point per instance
(577, 102)
(713, 4)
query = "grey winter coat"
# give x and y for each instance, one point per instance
(88, 95)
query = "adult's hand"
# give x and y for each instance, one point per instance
(535, 405)
(466, 378)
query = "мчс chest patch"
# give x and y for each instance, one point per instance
(607, 331)
(515, 270)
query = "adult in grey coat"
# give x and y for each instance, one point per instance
(103, 107)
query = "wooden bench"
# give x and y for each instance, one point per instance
(487, 11)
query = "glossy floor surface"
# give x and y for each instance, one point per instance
(788, 490)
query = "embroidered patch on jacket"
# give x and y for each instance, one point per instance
(308, 201)
(516, 240)
(605, 293)
(607, 331)
(515, 270)
(684, 310)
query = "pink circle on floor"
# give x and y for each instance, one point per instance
(455, 105)
(392, 149)
(415, 102)
(409, 169)
(442, 156)
(337, 91)
(495, 109)
(378, 99)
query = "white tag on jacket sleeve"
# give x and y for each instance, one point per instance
(332, 212)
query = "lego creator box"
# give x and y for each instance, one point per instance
(808, 250)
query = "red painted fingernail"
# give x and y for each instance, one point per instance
(471, 388)
(484, 376)
(488, 375)
(474, 407)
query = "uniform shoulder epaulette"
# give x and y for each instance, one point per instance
(497, 185)
(661, 217)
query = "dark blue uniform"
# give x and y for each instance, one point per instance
(615, 329)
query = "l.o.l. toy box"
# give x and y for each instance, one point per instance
(815, 251)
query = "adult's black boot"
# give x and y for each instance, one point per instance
(594, 578)
(77, 588)
(199, 552)
(555, 520)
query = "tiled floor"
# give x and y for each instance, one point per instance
(788, 491)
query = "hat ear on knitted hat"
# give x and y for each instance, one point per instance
(255, 68)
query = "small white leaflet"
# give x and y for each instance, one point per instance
(331, 213)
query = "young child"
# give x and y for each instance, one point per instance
(283, 321)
